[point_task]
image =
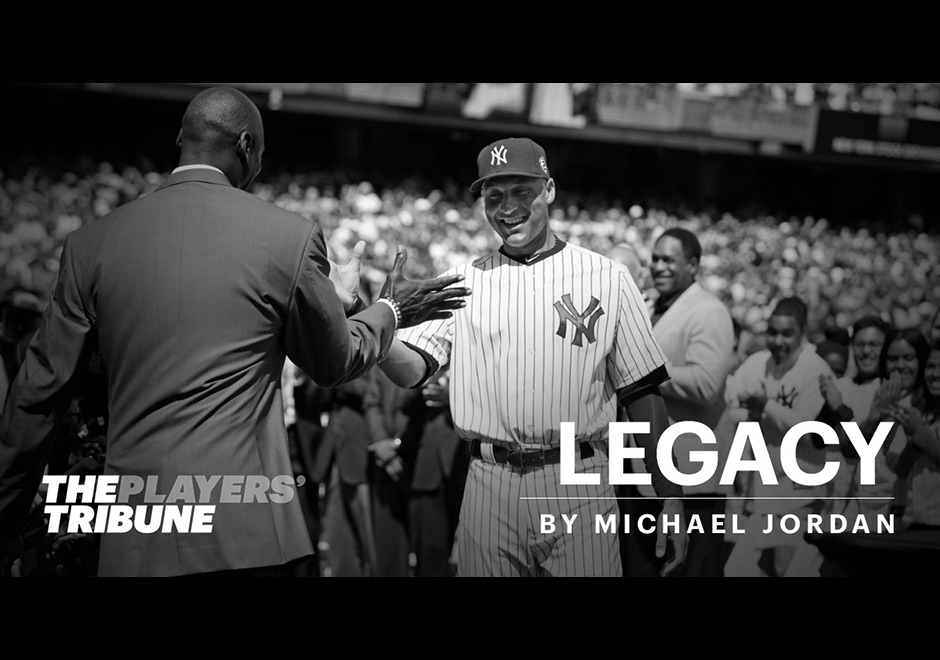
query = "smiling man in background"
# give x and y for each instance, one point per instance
(695, 331)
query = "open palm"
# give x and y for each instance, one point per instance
(346, 278)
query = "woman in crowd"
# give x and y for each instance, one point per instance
(851, 399)
(903, 363)
(921, 425)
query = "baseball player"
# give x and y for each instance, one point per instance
(552, 334)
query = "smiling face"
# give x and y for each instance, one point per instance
(517, 209)
(868, 344)
(672, 270)
(784, 338)
(932, 374)
(902, 359)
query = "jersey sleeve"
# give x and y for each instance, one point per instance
(636, 358)
(434, 339)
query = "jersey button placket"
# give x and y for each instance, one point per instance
(533, 290)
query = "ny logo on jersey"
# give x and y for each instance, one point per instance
(786, 399)
(584, 323)
(500, 156)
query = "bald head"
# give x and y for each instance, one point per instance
(222, 127)
(629, 257)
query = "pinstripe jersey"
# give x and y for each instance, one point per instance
(542, 343)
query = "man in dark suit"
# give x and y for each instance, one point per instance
(417, 478)
(194, 295)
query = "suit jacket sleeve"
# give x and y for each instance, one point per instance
(319, 339)
(41, 394)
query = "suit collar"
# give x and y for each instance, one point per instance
(200, 175)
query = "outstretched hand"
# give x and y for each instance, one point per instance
(346, 278)
(422, 301)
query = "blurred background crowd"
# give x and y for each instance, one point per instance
(751, 260)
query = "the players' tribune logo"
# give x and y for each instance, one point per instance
(500, 156)
(584, 322)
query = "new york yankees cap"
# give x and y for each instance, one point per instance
(511, 157)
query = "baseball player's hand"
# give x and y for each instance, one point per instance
(680, 539)
(346, 278)
(422, 301)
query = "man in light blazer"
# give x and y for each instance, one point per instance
(696, 332)
(194, 295)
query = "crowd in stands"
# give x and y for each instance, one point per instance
(751, 261)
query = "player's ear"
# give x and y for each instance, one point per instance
(550, 192)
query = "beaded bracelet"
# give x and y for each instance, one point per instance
(395, 308)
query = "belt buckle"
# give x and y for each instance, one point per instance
(528, 460)
(515, 458)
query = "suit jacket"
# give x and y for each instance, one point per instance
(697, 336)
(195, 294)
(438, 447)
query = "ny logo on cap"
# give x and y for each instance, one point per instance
(500, 156)
(584, 323)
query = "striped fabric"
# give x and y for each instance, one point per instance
(517, 371)
(500, 530)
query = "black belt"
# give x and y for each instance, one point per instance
(528, 459)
